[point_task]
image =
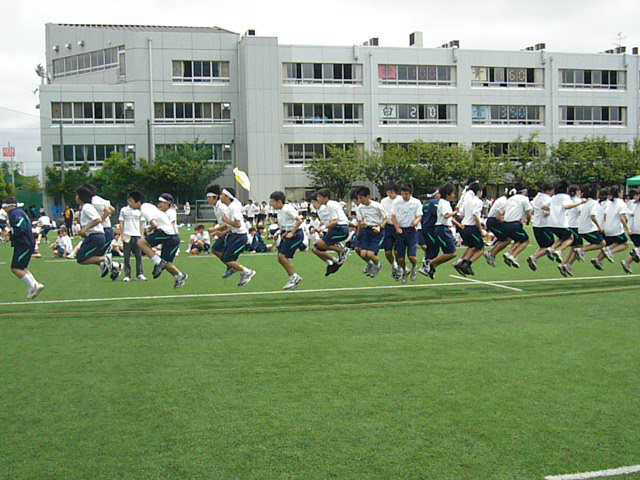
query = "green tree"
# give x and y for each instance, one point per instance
(118, 176)
(3, 186)
(338, 172)
(73, 178)
(391, 165)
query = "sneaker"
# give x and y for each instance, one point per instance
(514, 262)
(556, 256)
(159, 268)
(142, 278)
(533, 265)
(580, 254)
(626, 268)
(414, 274)
(562, 270)
(104, 269)
(342, 258)
(115, 271)
(35, 291)
(404, 278)
(228, 273)
(569, 270)
(460, 269)
(181, 279)
(608, 255)
(331, 269)
(294, 282)
(596, 264)
(491, 260)
(549, 253)
(468, 269)
(425, 270)
(635, 254)
(246, 277)
(126, 279)
(507, 260)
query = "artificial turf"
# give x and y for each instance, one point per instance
(459, 381)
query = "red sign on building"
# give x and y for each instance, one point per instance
(8, 152)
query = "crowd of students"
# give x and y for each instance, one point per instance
(567, 222)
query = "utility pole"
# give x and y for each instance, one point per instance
(13, 174)
(64, 203)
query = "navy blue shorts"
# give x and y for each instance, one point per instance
(236, 243)
(339, 234)
(354, 241)
(92, 246)
(544, 236)
(515, 231)
(594, 238)
(407, 242)
(108, 235)
(289, 246)
(389, 240)
(21, 256)
(616, 239)
(472, 237)
(495, 226)
(445, 239)
(370, 240)
(635, 238)
(561, 233)
(220, 244)
(421, 241)
(430, 239)
(170, 244)
(577, 238)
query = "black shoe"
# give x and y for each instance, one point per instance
(532, 264)
(460, 269)
(331, 269)
(468, 269)
(159, 268)
(432, 273)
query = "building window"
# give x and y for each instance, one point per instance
(92, 113)
(417, 114)
(420, 75)
(322, 73)
(580, 115)
(297, 154)
(323, 113)
(89, 62)
(407, 146)
(510, 149)
(192, 113)
(200, 71)
(507, 77)
(507, 115)
(219, 152)
(93, 155)
(604, 79)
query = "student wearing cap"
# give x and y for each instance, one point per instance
(160, 232)
(23, 244)
(236, 240)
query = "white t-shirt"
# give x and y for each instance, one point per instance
(517, 208)
(387, 204)
(585, 212)
(573, 215)
(287, 217)
(101, 204)
(463, 199)
(3, 215)
(558, 217)
(187, 208)
(220, 210)
(234, 214)
(130, 218)
(44, 221)
(201, 237)
(87, 215)
(65, 243)
(372, 215)
(331, 211)
(444, 207)
(612, 222)
(472, 207)
(498, 207)
(635, 218)
(540, 216)
(151, 213)
(407, 212)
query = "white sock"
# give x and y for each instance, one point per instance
(29, 280)
(245, 270)
(395, 265)
(156, 259)
(329, 262)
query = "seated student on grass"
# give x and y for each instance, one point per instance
(258, 245)
(62, 246)
(200, 241)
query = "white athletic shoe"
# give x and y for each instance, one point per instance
(142, 278)
(580, 254)
(414, 274)
(294, 282)
(491, 260)
(246, 277)
(35, 291)
(126, 279)
(608, 255)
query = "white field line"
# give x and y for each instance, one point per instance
(614, 472)
(472, 280)
(292, 292)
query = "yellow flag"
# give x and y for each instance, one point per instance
(242, 179)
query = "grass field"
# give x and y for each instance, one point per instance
(347, 378)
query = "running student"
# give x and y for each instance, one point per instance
(389, 241)
(573, 219)
(23, 244)
(219, 231)
(615, 225)
(561, 204)
(161, 232)
(444, 236)
(634, 220)
(541, 230)
(472, 232)
(292, 237)
(336, 223)
(407, 214)
(428, 232)
(495, 219)
(236, 240)
(372, 219)
(105, 210)
(94, 247)
(517, 213)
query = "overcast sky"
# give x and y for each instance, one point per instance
(564, 25)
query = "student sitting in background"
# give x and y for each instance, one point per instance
(258, 245)
(62, 247)
(200, 241)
